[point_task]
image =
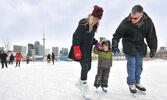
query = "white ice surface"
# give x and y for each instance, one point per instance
(41, 81)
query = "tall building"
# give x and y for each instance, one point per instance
(30, 47)
(162, 48)
(32, 52)
(36, 47)
(47, 51)
(41, 50)
(101, 39)
(64, 51)
(23, 49)
(55, 50)
(18, 48)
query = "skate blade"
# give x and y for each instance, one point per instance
(87, 97)
(142, 92)
(134, 94)
(77, 86)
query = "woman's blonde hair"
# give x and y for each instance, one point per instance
(91, 22)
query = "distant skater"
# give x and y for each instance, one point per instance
(48, 58)
(11, 59)
(53, 58)
(3, 57)
(27, 58)
(18, 58)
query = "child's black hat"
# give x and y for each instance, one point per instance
(106, 42)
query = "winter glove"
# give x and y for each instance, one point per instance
(115, 50)
(152, 53)
(77, 52)
(99, 47)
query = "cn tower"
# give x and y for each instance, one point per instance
(44, 42)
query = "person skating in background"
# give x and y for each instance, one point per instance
(104, 64)
(3, 57)
(82, 43)
(18, 58)
(11, 59)
(48, 58)
(134, 29)
(27, 58)
(53, 58)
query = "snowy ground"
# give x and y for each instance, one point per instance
(40, 81)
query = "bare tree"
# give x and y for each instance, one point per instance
(7, 44)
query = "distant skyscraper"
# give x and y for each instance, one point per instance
(18, 48)
(101, 39)
(47, 51)
(162, 48)
(41, 50)
(55, 50)
(30, 47)
(23, 49)
(36, 47)
(64, 51)
(32, 52)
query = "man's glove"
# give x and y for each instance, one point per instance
(115, 50)
(152, 53)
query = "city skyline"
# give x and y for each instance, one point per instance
(37, 49)
(24, 22)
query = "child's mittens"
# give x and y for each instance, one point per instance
(99, 46)
(116, 52)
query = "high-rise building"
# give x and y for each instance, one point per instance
(41, 50)
(162, 48)
(47, 51)
(55, 50)
(23, 49)
(36, 47)
(64, 51)
(18, 48)
(30, 47)
(32, 52)
(101, 39)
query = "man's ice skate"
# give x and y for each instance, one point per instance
(141, 88)
(83, 86)
(133, 90)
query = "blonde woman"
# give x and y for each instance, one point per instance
(83, 41)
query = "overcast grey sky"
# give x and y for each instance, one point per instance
(24, 21)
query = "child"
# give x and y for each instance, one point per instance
(104, 64)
